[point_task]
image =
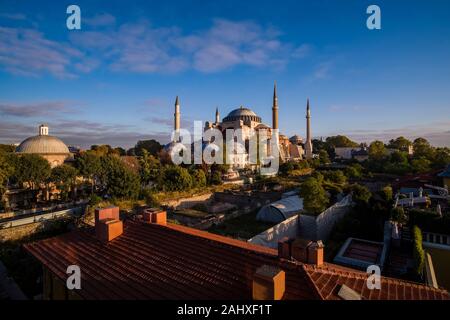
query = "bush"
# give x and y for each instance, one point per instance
(418, 252)
(387, 193)
(335, 176)
(149, 198)
(198, 178)
(314, 196)
(175, 178)
(354, 171)
(398, 214)
(216, 178)
(360, 194)
(94, 200)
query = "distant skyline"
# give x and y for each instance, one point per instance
(115, 80)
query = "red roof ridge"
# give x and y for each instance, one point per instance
(333, 269)
(222, 239)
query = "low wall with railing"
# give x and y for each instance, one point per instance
(438, 240)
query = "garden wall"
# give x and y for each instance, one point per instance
(305, 226)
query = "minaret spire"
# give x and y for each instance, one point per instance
(308, 144)
(275, 107)
(217, 115)
(177, 114)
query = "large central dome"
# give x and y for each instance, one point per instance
(43, 145)
(242, 114)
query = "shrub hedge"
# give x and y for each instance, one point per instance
(418, 252)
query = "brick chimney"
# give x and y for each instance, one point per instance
(299, 250)
(107, 223)
(315, 253)
(268, 283)
(284, 248)
(155, 216)
(305, 251)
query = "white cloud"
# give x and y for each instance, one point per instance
(139, 47)
(28, 52)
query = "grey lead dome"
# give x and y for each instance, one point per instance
(43, 144)
(242, 114)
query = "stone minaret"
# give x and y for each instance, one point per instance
(275, 108)
(308, 144)
(177, 115)
(217, 116)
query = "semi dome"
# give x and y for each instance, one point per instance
(43, 145)
(242, 114)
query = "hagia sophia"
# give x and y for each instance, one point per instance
(292, 148)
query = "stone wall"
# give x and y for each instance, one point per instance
(269, 238)
(320, 227)
(17, 233)
(188, 202)
(305, 226)
(251, 200)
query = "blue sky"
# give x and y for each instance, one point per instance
(115, 80)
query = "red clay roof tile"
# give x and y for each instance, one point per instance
(151, 261)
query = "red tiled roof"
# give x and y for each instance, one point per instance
(175, 262)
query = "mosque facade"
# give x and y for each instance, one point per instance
(249, 123)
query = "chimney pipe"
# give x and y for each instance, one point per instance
(301, 250)
(315, 253)
(107, 223)
(284, 248)
(268, 283)
(155, 216)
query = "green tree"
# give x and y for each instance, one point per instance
(102, 150)
(340, 141)
(120, 151)
(400, 143)
(336, 176)
(441, 158)
(6, 171)
(216, 178)
(399, 157)
(7, 148)
(423, 149)
(149, 167)
(89, 166)
(324, 157)
(32, 170)
(377, 151)
(314, 196)
(118, 180)
(64, 177)
(360, 194)
(421, 165)
(175, 178)
(286, 167)
(398, 214)
(198, 178)
(152, 146)
(354, 171)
